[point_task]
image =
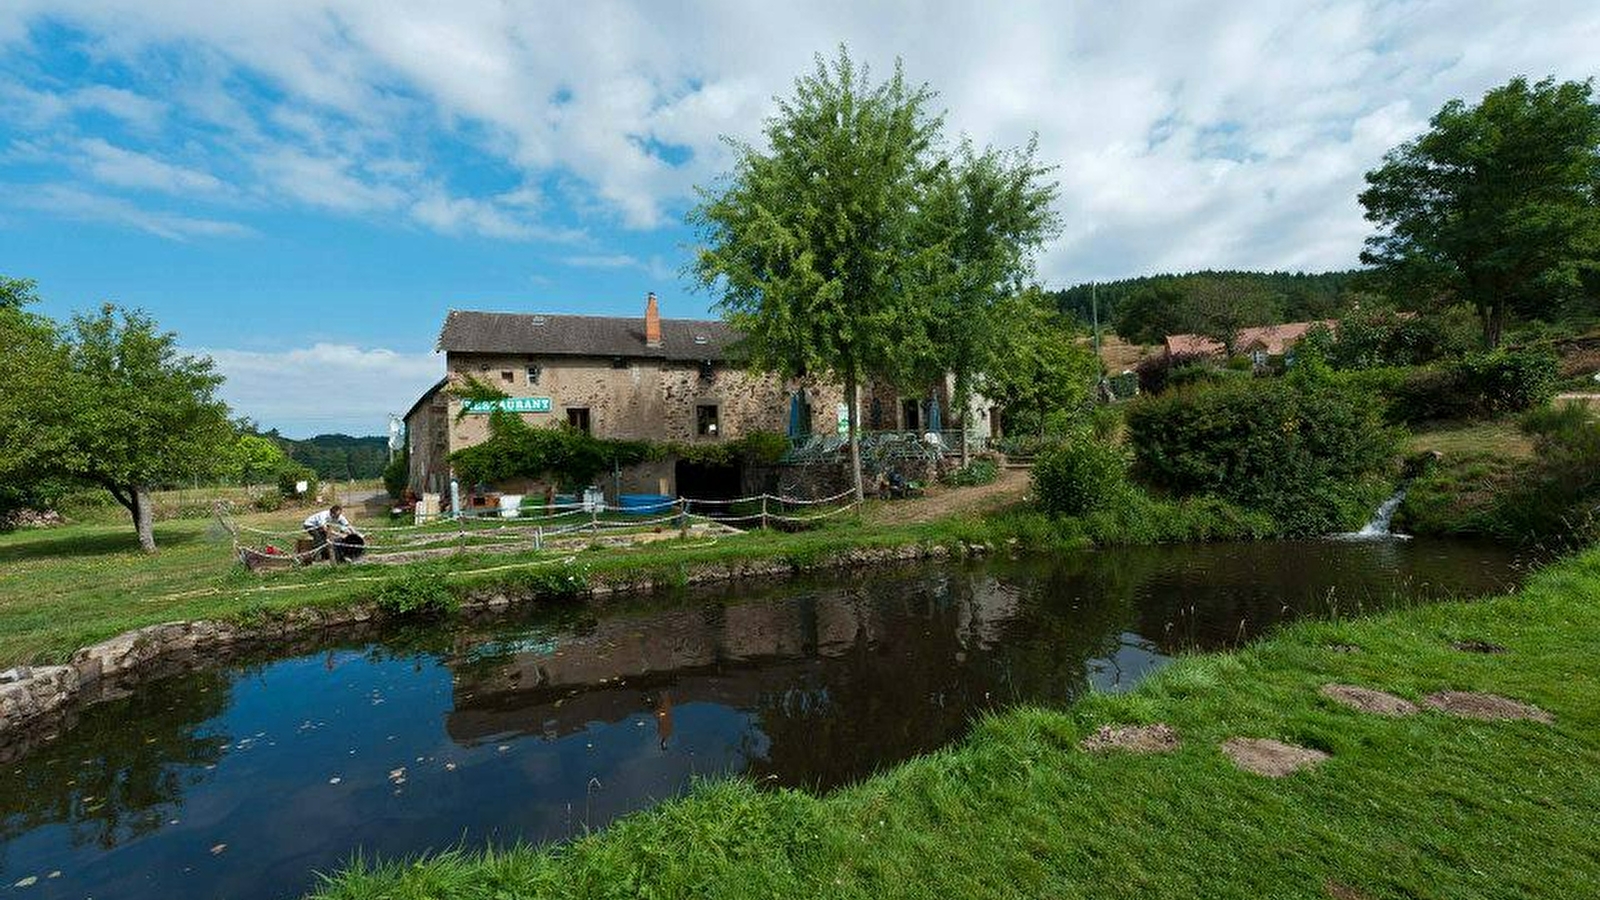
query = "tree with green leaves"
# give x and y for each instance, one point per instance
(31, 366)
(1041, 367)
(140, 413)
(1213, 305)
(108, 401)
(15, 293)
(990, 211)
(1497, 204)
(255, 459)
(811, 244)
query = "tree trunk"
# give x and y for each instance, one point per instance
(850, 404)
(961, 396)
(136, 500)
(1494, 324)
(143, 518)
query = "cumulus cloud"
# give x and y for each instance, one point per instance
(1185, 134)
(326, 387)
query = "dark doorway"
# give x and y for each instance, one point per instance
(910, 415)
(698, 481)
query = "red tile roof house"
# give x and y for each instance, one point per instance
(1261, 342)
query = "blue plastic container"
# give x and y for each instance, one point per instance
(646, 504)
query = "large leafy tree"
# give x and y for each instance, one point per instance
(991, 211)
(811, 244)
(1497, 204)
(140, 413)
(109, 401)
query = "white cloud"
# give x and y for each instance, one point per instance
(124, 168)
(325, 387)
(656, 267)
(601, 261)
(1186, 134)
(73, 203)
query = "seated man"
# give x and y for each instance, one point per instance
(331, 520)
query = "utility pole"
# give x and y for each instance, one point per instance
(1099, 361)
(1094, 314)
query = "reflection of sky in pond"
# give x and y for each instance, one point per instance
(241, 781)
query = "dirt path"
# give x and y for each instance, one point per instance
(941, 502)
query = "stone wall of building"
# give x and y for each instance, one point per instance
(428, 445)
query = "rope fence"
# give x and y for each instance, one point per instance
(536, 528)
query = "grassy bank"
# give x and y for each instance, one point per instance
(63, 588)
(1424, 806)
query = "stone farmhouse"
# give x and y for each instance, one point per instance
(646, 378)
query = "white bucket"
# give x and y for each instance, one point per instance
(510, 506)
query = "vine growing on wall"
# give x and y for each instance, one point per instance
(573, 458)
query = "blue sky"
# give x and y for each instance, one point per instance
(300, 188)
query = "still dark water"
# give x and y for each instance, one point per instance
(239, 782)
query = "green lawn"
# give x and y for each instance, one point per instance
(1425, 806)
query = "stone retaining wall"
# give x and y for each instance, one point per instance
(34, 700)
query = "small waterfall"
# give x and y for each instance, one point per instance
(1378, 526)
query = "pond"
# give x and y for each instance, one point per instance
(242, 780)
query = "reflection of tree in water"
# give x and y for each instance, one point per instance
(927, 658)
(121, 771)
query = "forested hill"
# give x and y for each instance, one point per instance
(340, 456)
(1286, 296)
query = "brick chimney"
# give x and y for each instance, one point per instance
(652, 321)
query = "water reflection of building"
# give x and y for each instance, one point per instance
(839, 679)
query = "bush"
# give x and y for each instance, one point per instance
(1185, 376)
(979, 471)
(1480, 386)
(1510, 380)
(266, 502)
(415, 595)
(397, 475)
(1080, 477)
(1305, 451)
(288, 478)
(1380, 338)
(1154, 372)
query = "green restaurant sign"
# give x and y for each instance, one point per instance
(510, 404)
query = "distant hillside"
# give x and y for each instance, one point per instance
(1295, 296)
(340, 456)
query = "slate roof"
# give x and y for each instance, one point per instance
(426, 396)
(535, 334)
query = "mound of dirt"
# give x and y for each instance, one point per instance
(1274, 759)
(1368, 700)
(1340, 891)
(1473, 645)
(1489, 707)
(1156, 738)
